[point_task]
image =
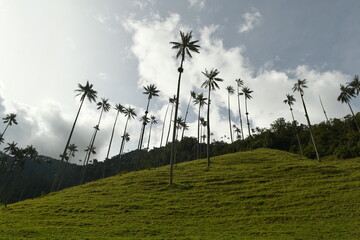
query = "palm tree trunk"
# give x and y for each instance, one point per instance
(247, 117)
(143, 126)
(327, 120)
(198, 145)
(310, 129)
(56, 179)
(111, 138)
(187, 111)
(352, 112)
(296, 132)
(231, 136)
(7, 125)
(208, 130)
(163, 127)
(172, 155)
(148, 144)
(122, 141)
(242, 130)
(167, 139)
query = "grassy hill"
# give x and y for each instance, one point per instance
(263, 194)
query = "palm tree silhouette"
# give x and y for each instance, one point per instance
(163, 126)
(145, 120)
(129, 113)
(179, 124)
(298, 86)
(246, 91)
(355, 84)
(152, 122)
(239, 84)
(211, 84)
(290, 101)
(345, 97)
(151, 91)
(192, 95)
(237, 131)
(201, 100)
(230, 91)
(172, 102)
(119, 109)
(10, 119)
(185, 47)
(105, 107)
(88, 92)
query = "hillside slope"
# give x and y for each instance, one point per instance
(263, 194)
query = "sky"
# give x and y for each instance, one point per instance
(47, 48)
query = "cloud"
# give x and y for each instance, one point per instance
(144, 4)
(197, 3)
(252, 19)
(103, 76)
(158, 65)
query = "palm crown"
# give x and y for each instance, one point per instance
(211, 81)
(120, 108)
(151, 91)
(299, 86)
(186, 45)
(239, 82)
(86, 91)
(355, 84)
(10, 119)
(289, 99)
(346, 94)
(247, 92)
(200, 99)
(104, 105)
(230, 90)
(153, 120)
(130, 112)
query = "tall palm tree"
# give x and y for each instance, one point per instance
(246, 91)
(85, 92)
(172, 101)
(185, 47)
(230, 91)
(88, 92)
(151, 91)
(10, 119)
(129, 113)
(345, 97)
(72, 149)
(298, 86)
(105, 106)
(239, 84)
(211, 84)
(163, 126)
(119, 109)
(201, 100)
(192, 96)
(355, 84)
(179, 124)
(290, 101)
(237, 131)
(322, 106)
(145, 120)
(152, 122)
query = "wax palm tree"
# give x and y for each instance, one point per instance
(237, 131)
(201, 100)
(129, 113)
(145, 120)
(184, 128)
(163, 126)
(211, 84)
(105, 106)
(172, 102)
(185, 47)
(322, 106)
(153, 121)
(88, 92)
(119, 109)
(179, 123)
(230, 91)
(10, 119)
(298, 86)
(192, 96)
(240, 84)
(151, 91)
(72, 149)
(355, 84)
(290, 101)
(246, 91)
(345, 96)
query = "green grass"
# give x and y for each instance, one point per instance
(263, 194)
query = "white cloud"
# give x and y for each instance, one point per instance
(197, 3)
(252, 19)
(103, 76)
